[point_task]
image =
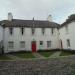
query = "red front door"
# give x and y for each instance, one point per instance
(33, 46)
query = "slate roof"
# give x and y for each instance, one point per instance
(70, 19)
(30, 23)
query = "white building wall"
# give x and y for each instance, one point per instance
(70, 35)
(1, 33)
(55, 39)
(63, 37)
(16, 37)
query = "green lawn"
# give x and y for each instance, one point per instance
(65, 53)
(30, 55)
(24, 55)
(46, 53)
(4, 57)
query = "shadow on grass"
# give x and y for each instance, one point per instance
(4, 57)
(23, 54)
(46, 53)
(65, 53)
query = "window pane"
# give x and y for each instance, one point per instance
(52, 30)
(68, 43)
(11, 31)
(33, 31)
(10, 44)
(41, 42)
(22, 31)
(22, 44)
(48, 43)
(43, 30)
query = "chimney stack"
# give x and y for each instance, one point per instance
(10, 16)
(49, 18)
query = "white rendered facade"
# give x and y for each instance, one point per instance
(28, 37)
(68, 33)
(59, 38)
(1, 33)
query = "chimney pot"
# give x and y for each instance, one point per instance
(10, 16)
(49, 18)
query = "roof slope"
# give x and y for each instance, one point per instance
(29, 23)
(69, 20)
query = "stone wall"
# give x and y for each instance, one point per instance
(55, 66)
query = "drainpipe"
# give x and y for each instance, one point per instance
(59, 39)
(3, 38)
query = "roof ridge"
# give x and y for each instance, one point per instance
(30, 20)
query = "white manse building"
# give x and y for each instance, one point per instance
(28, 35)
(67, 33)
(33, 35)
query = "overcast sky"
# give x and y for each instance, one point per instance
(39, 9)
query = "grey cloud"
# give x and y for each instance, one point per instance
(40, 9)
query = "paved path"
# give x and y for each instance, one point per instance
(56, 54)
(37, 55)
(13, 57)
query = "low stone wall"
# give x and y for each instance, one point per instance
(55, 66)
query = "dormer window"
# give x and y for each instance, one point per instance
(22, 31)
(11, 31)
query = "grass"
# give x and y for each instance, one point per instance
(4, 57)
(65, 53)
(24, 54)
(46, 53)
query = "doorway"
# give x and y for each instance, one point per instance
(61, 44)
(33, 46)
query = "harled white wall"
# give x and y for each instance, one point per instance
(70, 35)
(1, 33)
(28, 38)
